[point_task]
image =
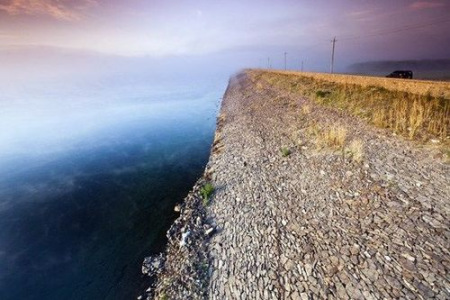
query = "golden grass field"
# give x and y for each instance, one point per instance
(416, 109)
(420, 87)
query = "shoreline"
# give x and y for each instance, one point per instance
(184, 269)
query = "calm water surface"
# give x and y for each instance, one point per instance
(88, 180)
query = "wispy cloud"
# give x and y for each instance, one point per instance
(65, 10)
(7, 37)
(363, 15)
(420, 5)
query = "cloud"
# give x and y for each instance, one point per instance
(365, 15)
(64, 10)
(7, 37)
(420, 5)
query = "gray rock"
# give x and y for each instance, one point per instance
(210, 231)
(152, 264)
(184, 238)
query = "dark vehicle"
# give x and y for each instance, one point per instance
(401, 74)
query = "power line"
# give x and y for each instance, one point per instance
(393, 30)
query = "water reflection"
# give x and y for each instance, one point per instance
(88, 181)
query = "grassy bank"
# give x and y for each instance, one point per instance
(417, 110)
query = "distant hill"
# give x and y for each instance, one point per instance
(423, 69)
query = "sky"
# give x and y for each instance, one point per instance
(238, 33)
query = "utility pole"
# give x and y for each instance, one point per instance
(285, 65)
(332, 56)
(268, 63)
(302, 66)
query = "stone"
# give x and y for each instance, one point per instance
(210, 231)
(355, 249)
(354, 259)
(304, 296)
(409, 257)
(367, 254)
(345, 251)
(334, 261)
(371, 274)
(308, 269)
(295, 295)
(340, 290)
(425, 290)
(367, 295)
(431, 221)
(152, 265)
(184, 237)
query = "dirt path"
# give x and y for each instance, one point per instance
(316, 224)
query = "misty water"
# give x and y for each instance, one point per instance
(89, 176)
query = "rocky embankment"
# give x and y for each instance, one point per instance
(309, 222)
(183, 271)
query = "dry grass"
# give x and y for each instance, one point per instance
(447, 156)
(306, 109)
(420, 87)
(418, 110)
(313, 130)
(259, 86)
(355, 150)
(332, 137)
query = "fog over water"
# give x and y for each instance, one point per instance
(91, 164)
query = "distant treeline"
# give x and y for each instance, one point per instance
(426, 69)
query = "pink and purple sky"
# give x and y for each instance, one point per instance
(365, 29)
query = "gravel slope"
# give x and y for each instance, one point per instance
(316, 224)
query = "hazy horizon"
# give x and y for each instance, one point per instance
(204, 37)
